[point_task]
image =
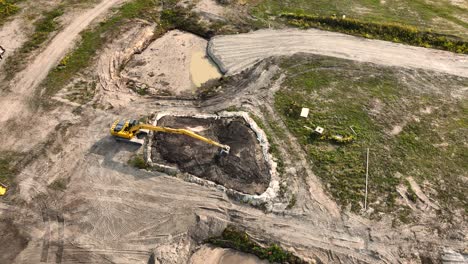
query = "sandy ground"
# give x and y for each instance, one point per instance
(173, 64)
(12, 36)
(209, 255)
(238, 52)
(111, 212)
(26, 81)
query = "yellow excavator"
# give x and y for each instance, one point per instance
(130, 131)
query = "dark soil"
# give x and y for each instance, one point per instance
(244, 169)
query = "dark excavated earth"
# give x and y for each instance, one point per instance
(244, 169)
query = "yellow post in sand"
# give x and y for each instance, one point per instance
(3, 189)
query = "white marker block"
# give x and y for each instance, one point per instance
(305, 112)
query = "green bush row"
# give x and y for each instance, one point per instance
(384, 31)
(239, 240)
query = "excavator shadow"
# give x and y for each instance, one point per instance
(115, 156)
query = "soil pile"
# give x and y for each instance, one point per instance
(244, 169)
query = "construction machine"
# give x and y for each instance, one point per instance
(131, 131)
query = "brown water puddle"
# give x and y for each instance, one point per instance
(202, 69)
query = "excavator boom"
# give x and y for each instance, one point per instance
(127, 130)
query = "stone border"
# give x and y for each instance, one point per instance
(265, 198)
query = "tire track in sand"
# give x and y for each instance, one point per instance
(234, 53)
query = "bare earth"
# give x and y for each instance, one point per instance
(111, 212)
(238, 52)
(11, 38)
(172, 64)
(208, 255)
(31, 77)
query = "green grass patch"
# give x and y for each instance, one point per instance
(7, 9)
(437, 16)
(343, 96)
(58, 185)
(384, 31)
(241, 241)
(9, 167)
(138, 162)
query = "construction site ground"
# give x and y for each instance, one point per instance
(76, 199)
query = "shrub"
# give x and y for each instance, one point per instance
(239, 240)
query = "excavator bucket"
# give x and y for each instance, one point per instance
(225, 150)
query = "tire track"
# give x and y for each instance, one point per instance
(235, 53)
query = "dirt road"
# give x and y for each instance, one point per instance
(25, 82)
(235, 53)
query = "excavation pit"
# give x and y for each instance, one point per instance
(244, 169)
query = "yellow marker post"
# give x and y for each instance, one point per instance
(2, 190)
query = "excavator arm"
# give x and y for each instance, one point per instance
(180, 131)
(129, 129)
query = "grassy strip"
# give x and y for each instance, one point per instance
(9, 167)
(239, 240)
(384, 31)
(93, 40)
(43, 28)
(441, 16)
(410, 131)
(7, 9)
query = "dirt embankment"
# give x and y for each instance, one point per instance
(210, 255)
(235, 53)
(244, 169)
(174, 64)
(25, 82)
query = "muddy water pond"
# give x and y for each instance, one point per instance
(202, 69)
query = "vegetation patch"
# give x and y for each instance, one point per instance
(384, 31)
(241, 241)
(9, 167)
(42, 31)
(412, 126)
(58, 185)
(185, 20)
(8, 8)
(138, 162)
(442, 16)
